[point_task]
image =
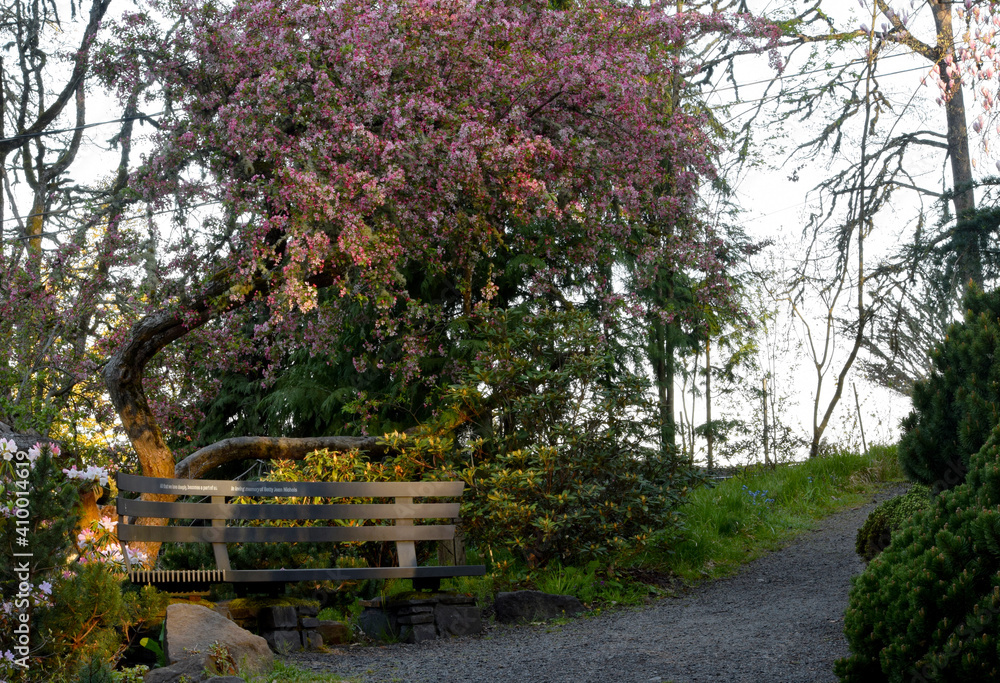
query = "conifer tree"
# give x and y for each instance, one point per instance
(956, 407)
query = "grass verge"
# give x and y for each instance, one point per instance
(733, 522)
(725, 525)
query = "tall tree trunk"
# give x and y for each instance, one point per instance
(861, 219)
(709, 435)
(764, 396)
(662, 349)
(964, 200)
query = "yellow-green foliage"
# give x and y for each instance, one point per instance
(874, 535)
(928, 607)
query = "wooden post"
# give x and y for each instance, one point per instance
(219, 549)
(451, 553)
(406, 550)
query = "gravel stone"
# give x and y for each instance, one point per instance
(779, 620)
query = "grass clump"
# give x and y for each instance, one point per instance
(287, 672)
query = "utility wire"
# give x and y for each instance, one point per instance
(771, 98)
(803, 74)
(43, 133)
(144, 214)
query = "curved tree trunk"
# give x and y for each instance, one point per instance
(123, 375)
(204, 460)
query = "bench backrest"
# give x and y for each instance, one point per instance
(215, 508)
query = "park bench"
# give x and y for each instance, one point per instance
(210, 517)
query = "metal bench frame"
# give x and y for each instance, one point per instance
(403, 532)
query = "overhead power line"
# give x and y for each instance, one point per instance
(43, 133)
(803, 74)
(144, 214)
(772, 98)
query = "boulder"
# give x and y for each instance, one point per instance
(192, 630)
(534, 606)
(187, 671)
(191, 669)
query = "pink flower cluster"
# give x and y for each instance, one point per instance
(351, 141)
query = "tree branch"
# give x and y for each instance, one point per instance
(204, 460)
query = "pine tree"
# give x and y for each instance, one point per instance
(956, 407)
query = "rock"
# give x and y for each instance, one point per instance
(307, 610)
(534, 606)
(417, 633)
(192, 669)
(283, 642)
(277, 617)
(334, 632)
(417, 618)
(375, 623)
(457, 620)
(222, 608)
(191, 631)
(311, 640)
(308, 622)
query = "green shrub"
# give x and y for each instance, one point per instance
(957, 406)
(927, 608)
(558, 460)
(92, 618)
(874, 535)
(94, 671)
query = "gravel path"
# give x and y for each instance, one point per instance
(778, 621)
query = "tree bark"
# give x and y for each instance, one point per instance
(964, 200)
(709, 433)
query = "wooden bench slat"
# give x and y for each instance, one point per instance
(150, 508)
(290, 489)
(271, 534)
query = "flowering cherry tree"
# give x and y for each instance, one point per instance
(344, 142)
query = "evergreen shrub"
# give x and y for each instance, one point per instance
(555, 446)
(78, 613)
(875, 534)
(928, 607)
(958, 404)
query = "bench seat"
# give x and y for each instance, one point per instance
(216, 511)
